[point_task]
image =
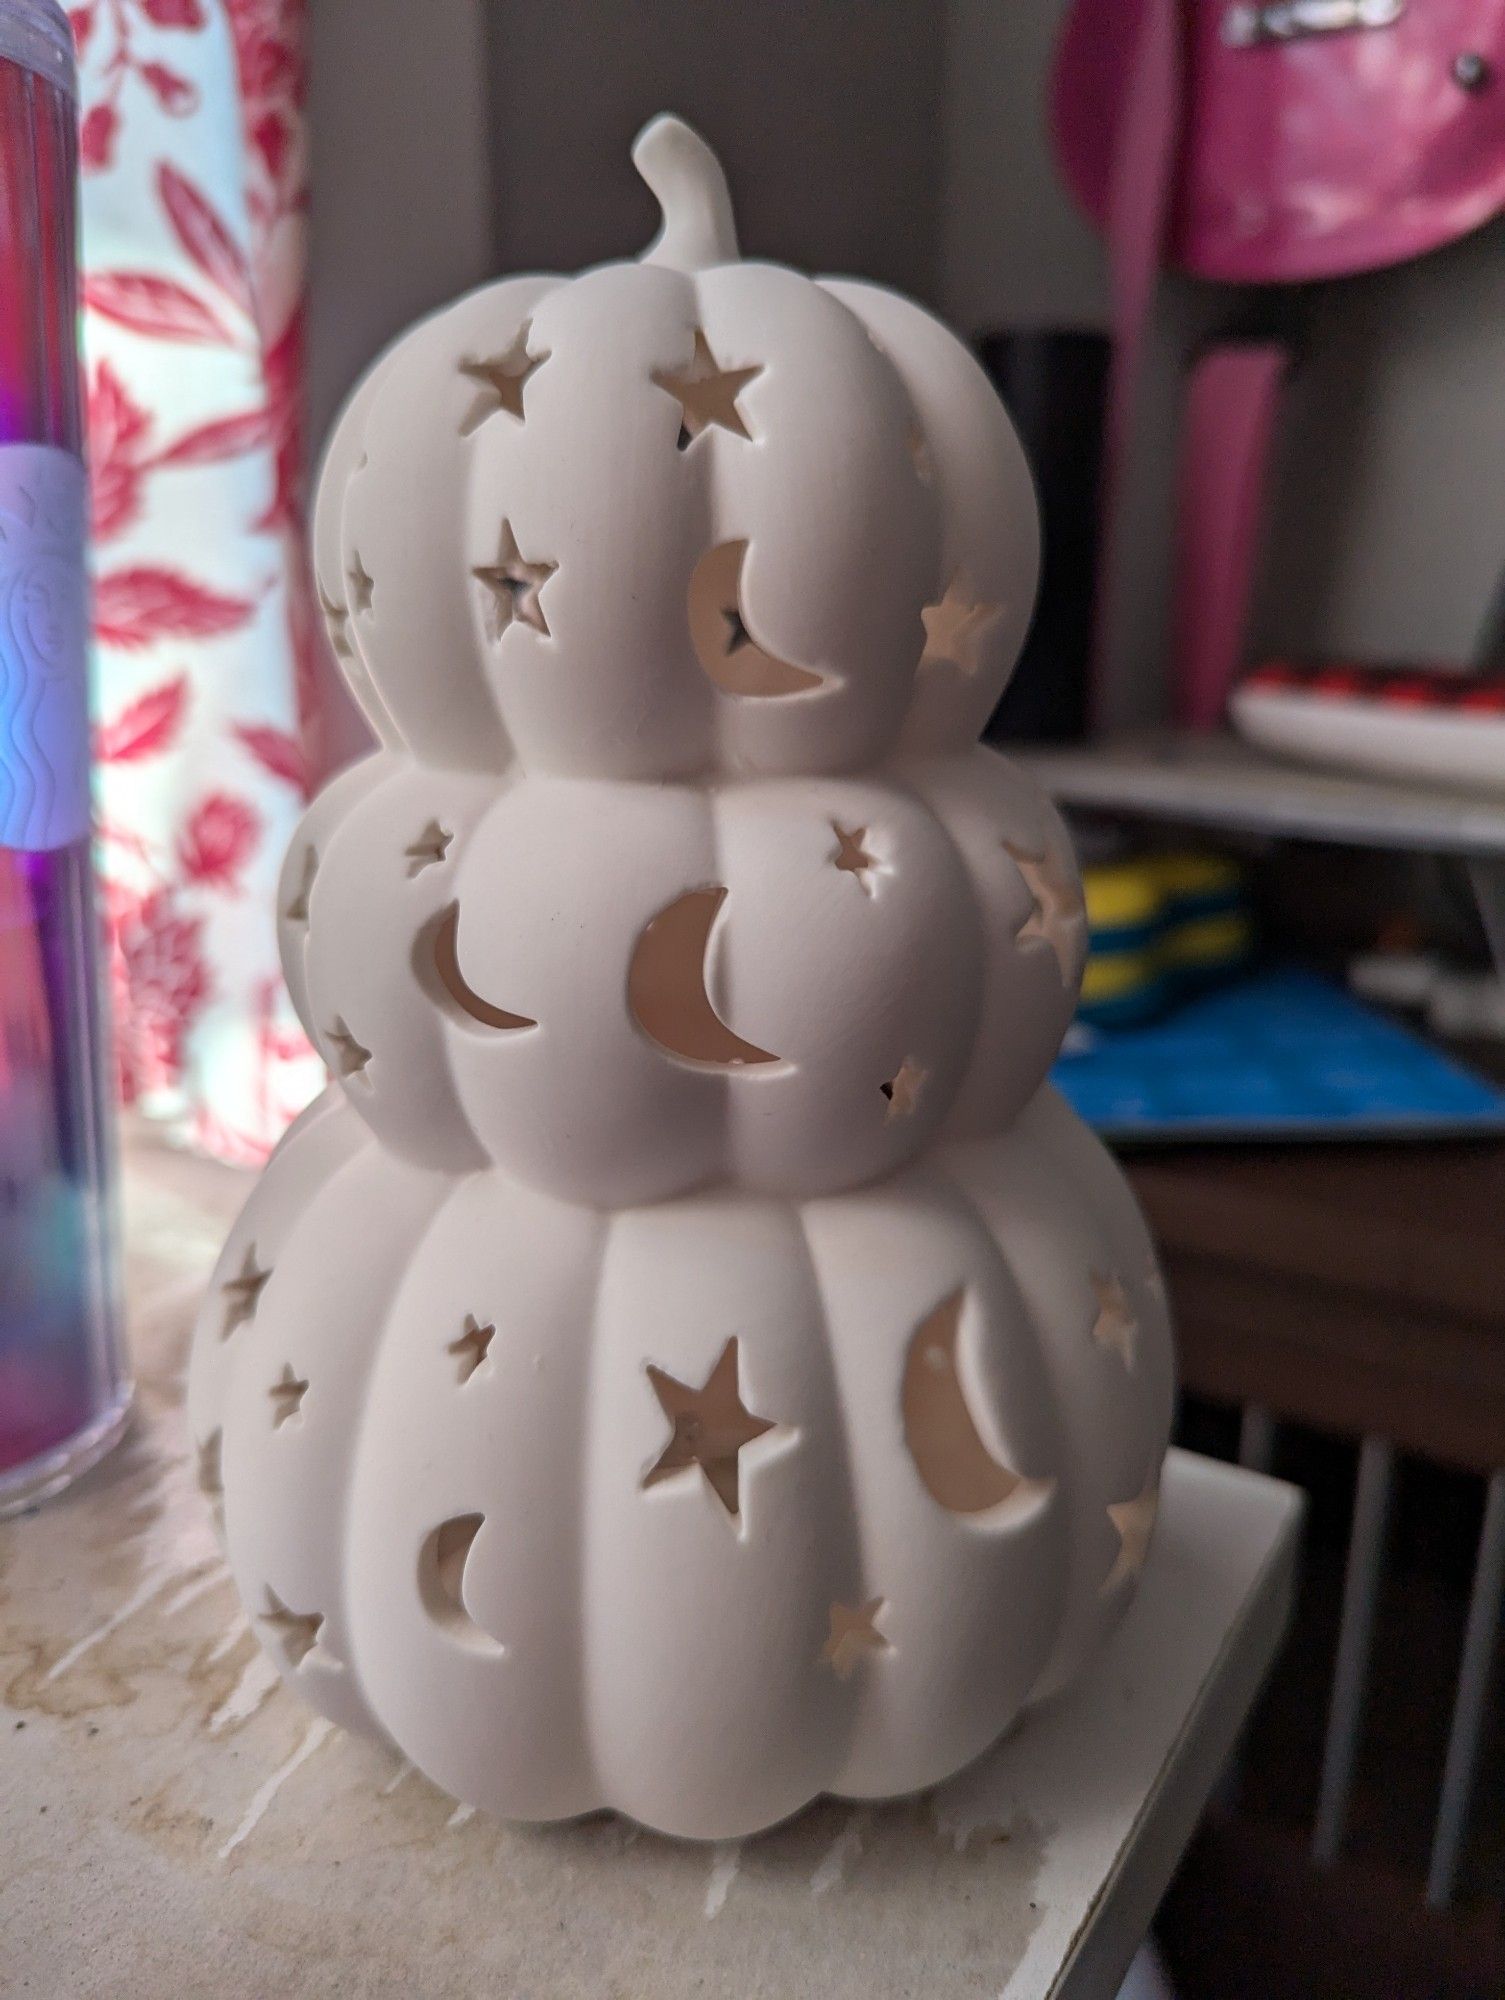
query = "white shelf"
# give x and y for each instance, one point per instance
(1220, 781)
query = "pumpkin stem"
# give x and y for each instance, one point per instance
(686, 177)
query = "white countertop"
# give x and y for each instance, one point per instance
(174, 1823)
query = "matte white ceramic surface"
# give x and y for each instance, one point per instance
(690, 1361)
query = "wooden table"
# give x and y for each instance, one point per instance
(173, 1823)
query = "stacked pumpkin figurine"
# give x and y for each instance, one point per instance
(690, 1360)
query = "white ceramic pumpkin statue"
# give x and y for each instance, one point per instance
(690, 1361)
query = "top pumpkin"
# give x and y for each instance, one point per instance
(676, 517)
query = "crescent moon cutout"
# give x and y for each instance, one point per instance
(441, 1575)
(958, 1470)
(666, 990)
(446, 960)
(730, 656)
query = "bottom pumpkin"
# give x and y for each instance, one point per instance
(694, 1511)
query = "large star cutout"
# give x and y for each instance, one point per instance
(336, 624)
(287, 1394)
(242, 1294)
(1058, 906)
(501, 379)
(297, 1631)
(350, 1058)
(1115, 1327)
(854, 1632)
(431, 845)
(297, 909)
(903, 1090)
(956, 627)
(710, 1427)
(470, 1348)
(851, 856)
(707, 393)
(1134, 1520)
(514, 586)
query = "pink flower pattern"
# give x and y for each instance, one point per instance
(207, 733)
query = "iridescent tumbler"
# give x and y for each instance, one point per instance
(64, 1387)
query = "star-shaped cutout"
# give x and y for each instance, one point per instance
(710, 1426)
(297, 909)
(207, 1466)
(707, 393)
(956, 626)
(350, 1058)
(431, 845)
(298, 1631)
(336, 624)
(903, 1090)
(854, 1632)
(471, 1346)
(362, 584)
(1134, 1520)
(514, 586)
(1115, 1327)
(1154, 1280)
(501, 379)
(287, 1394)
(1058, 908)
(242, 1294)
(851, 856)
(919, 455)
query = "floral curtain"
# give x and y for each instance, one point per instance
(207, 655)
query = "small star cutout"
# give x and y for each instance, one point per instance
(336, 624)
(1154, 1280)
(350, 1058)
(471, 1346)
(919, 454)
(242, 1294)
(854, 1631)
(1058, 908)
(297, 1630)
(501, 379)
(297, 909)
(287, 1394)
(431, 845)
(1115, 1327)
(207, 1470)
(1134, 1520)
(362, 584)
(515, 586)
(956, 626)
(851, 857)
(707, 393)
(903, 1090)
(710, 1427)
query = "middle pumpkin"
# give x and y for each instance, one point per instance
(793, 985)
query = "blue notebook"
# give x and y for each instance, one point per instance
(1283, 1054)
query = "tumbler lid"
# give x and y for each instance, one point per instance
(35, 34)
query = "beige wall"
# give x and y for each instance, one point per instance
(401, 209)
(826, 116)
